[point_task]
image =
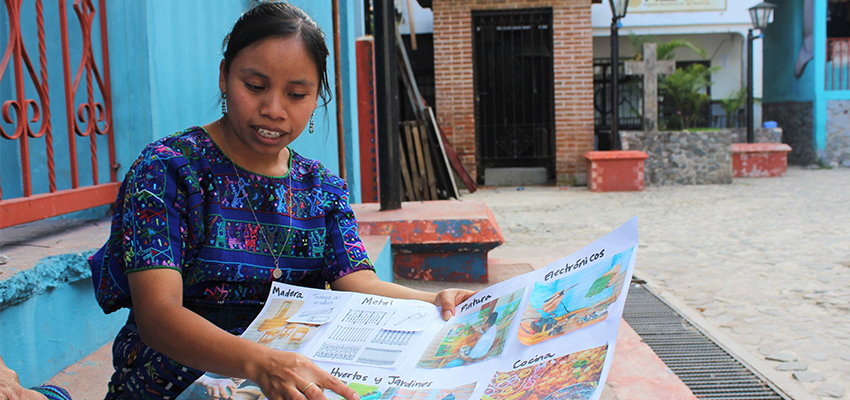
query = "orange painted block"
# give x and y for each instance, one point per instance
(615, 171)
(754, 160)
(446, 240)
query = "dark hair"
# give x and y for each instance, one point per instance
(283, 20)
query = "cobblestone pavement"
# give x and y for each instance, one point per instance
(766, 260)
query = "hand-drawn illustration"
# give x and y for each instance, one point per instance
(388, 349)
(473, 337)
(575, 377)
(463, 392)
(414, 317)
(573, 302)
(320, 307)
(366, 392)
(274, 329)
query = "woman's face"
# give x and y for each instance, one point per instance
(272, 89)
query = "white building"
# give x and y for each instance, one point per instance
(717, 26)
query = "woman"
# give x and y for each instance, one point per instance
(207, 218)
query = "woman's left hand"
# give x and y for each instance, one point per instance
(448, 299)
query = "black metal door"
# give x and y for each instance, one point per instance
(514, 89)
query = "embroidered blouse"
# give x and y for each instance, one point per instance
(183, 206)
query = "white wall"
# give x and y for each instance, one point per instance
(725, 50)
(423, 18)
(736, 14)
(721, 33)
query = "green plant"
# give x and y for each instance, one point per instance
(687, 87)
(732, 104)
(665, 50)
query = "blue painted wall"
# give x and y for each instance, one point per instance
(782, 41)
(169, 67)
(49, 318)
(164, 58)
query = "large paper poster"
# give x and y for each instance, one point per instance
(545, 335)
(648, 6)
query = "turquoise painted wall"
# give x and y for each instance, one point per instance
(57, 323)
(782, 41)
(166, 74)
(164, 58)
(350, 13)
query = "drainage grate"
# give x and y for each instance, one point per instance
(708, 370)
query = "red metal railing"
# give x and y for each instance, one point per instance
(93, 118)
(838, 64)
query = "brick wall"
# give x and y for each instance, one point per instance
(573, 64)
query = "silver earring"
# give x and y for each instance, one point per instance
(312, 125)
(223, 103)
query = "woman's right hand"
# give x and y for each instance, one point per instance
(186, 337)
(285, 375)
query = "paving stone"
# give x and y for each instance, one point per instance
(781, 357)
(838, 334)
(792, 243)
(831, 390)
(792, 366)
(807, 376)
(769, 348)
(724, 319)
(713, 312)
(773, 312)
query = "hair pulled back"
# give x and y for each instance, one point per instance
(279, 20)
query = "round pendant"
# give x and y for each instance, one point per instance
(277, 273)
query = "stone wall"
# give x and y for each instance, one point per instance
(797, 122)
(838, 133)
(682, 157)
(761, 135)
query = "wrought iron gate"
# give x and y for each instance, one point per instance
(629, 105)
(35, 125)
(514, 89)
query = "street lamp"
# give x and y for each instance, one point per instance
(618, 11)
(761, 15)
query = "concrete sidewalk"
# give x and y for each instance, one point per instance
(763, 263)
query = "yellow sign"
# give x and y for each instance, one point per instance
(648, 6)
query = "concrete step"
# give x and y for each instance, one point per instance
(87, 378)
(379, 250)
